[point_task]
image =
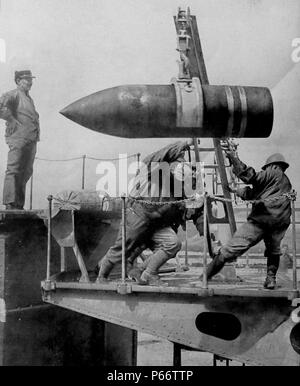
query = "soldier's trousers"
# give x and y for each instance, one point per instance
(250, 234)
(139, 230)
(142, 232)
(20, 161)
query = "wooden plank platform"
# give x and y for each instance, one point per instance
(250, 284)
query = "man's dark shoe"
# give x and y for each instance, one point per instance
(270, 282)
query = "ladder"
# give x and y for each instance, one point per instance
(191, 65)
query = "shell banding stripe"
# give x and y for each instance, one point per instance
(244, 105)
(237, 111)
(230, 104)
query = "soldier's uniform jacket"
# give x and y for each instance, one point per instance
(266, 185)
(22, 119)
(145, 188)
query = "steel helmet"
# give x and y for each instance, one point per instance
(276, 158)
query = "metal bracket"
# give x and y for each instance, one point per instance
(211, 215)
(183, 43)
(48, 285)
(124, 289)
(189, 98)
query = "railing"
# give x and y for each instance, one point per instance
(84, 159)
(204, 259)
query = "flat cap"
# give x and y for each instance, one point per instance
(23, 74)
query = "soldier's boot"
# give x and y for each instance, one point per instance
(150, 275)
(215, 266)
(270, 282)
(134, 272)
(151, 279)
(272, 268)
(104, 270)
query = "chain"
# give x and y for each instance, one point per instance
(197, 198)
(162, 203)
(133, 199)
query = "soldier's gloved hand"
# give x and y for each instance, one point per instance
(196, 201)
(229, 148)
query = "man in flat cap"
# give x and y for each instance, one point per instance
(22, 134)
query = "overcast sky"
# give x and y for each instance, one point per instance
(76, 47)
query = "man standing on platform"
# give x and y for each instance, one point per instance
(269, 218)
(22, 134)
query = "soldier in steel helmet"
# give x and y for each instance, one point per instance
(269, 218)
(22, 133)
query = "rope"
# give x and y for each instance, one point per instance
(58, 160)
(85, 157)
(112, 159)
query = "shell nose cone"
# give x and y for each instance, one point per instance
(73, 112)
(66, 112)
(131, 111)
(85, 112)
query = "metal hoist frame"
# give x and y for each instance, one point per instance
(192, 65)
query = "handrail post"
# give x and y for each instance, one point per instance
(83, 172)
(50, 199)
(204, 282)
(295, 283)
(247, 253)
(31, 192)
(62, 259)
(123, 237)
(186, 256)
(138, 162)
